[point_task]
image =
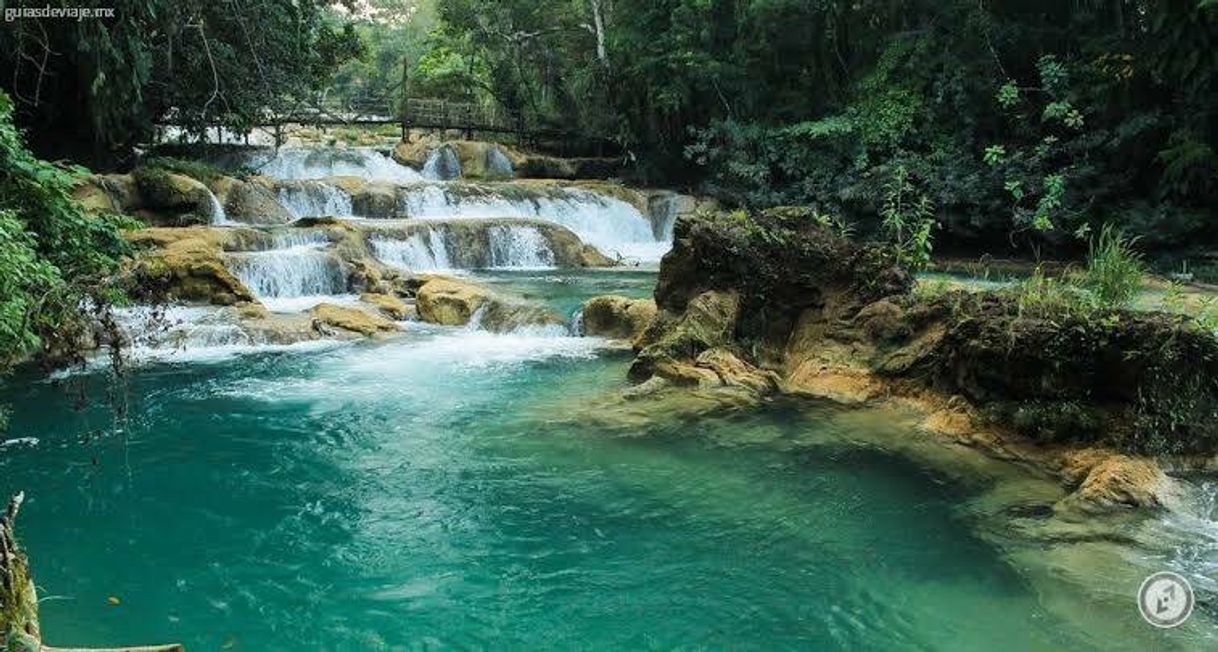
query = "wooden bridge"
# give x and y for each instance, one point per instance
(396, 106)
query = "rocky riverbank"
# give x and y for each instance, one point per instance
(772, 304)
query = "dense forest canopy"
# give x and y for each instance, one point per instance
(1035, 118)
(90, 89)
(993, 123)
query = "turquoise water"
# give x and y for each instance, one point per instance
(446, 490)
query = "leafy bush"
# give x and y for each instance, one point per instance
(55, 261)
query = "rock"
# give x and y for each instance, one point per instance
(708, 320)
(390, 305)
(450, 302)
(617, 317)
(93, 197)
(546, 167)
(412, 154)
(251, 202)
(189, 270)
(377, 201)
(350, 319)
(187, 264)
(1116, 482)
(732, 371)
(169, 199)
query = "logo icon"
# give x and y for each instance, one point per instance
(1165, 599)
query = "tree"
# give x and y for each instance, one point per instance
(91, 89)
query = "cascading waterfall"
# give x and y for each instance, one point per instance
(319, 163)
(425, 250)
(299, 238)
(442, 164)
(289, 279)
(611, 225)
(520, 247)
(315, 199)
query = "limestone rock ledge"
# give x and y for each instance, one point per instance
(775, 303)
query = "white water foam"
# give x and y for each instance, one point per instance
(285, 279)
(423, 251)
(318, 163)
(217, 215)
(315, 199)
(519, 247)
(611, 225)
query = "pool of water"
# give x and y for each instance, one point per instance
(443, 490)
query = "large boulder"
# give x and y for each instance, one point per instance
(377, 201)
(189, 269)
(617, 317)
(169, 199)
(250, 202)
(451, 302)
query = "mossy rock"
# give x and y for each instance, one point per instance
(169, 199)
(617, 317)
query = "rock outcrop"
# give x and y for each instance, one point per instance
(187, 264)
(774, 302)
(250, 202)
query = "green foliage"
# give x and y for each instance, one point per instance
(91, 89)
(54, 259)
(908, 220)
(1024, 122)
(1114, 269)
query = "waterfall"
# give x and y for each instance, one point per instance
(318, 163)
(423, 251)
(522, 247)
(301, 272)
(442, 164)
(615, 227)
(315, 199)
(216, 215)
(296, 238)
(664, 209)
